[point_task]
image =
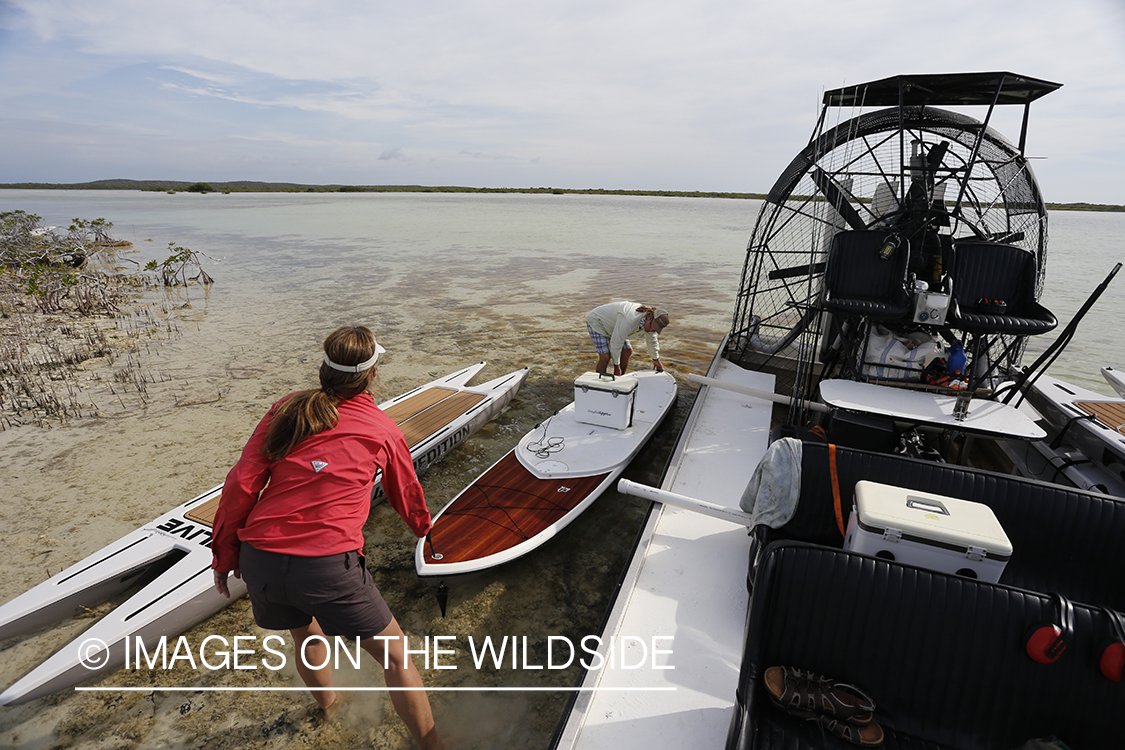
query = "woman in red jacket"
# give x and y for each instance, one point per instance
(291, 522)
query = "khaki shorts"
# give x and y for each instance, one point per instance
(287, 591)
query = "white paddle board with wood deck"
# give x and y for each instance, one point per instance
(1116, 380)
(171, 556)
(537, 489)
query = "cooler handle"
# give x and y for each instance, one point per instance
(926, 504)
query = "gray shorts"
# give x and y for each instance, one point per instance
(287, 591)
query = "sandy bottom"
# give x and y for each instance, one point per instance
(73, 488)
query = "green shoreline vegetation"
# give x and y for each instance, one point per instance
(243, 186)
(248, 186)
(67, 296)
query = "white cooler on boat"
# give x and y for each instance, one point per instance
(604, 400)
(931, 531)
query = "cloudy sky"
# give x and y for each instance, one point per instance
(646, 94)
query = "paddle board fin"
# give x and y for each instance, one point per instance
(442, 597)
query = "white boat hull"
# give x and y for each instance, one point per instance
(687, 579)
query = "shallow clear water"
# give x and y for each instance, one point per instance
(444, 280)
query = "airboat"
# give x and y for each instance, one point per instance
(903, 246)
(895, 273)
(891, 284)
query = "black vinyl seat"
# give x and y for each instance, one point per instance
(858, 281)
(996, 272)
(1064, 540)
(941, 655)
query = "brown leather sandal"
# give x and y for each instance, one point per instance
(799, 691)
(865, 735)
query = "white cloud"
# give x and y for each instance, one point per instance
(716, 94)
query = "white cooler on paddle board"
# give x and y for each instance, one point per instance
(604, 400)
(931, 531)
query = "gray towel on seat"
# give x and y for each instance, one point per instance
(771, 496)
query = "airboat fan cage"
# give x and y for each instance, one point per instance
(932, 176)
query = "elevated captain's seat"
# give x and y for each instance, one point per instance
(994, 290)
(861, 280)
(994, 294)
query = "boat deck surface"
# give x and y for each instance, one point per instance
(1109, 413)
(687, 579)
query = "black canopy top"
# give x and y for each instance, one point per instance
(941, 89)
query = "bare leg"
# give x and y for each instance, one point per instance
(603, 362)
(412, 706)
(625, 355)
(314, 651)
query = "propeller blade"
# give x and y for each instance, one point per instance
(838, 198)
(814, 269)
(934, 158)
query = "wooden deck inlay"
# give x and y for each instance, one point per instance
(416, 404)
(205, 513)
(1109, 413)
(506, 506)
(426, 423)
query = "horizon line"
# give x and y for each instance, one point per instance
(248, 186)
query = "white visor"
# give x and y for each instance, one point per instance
(356, 368)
